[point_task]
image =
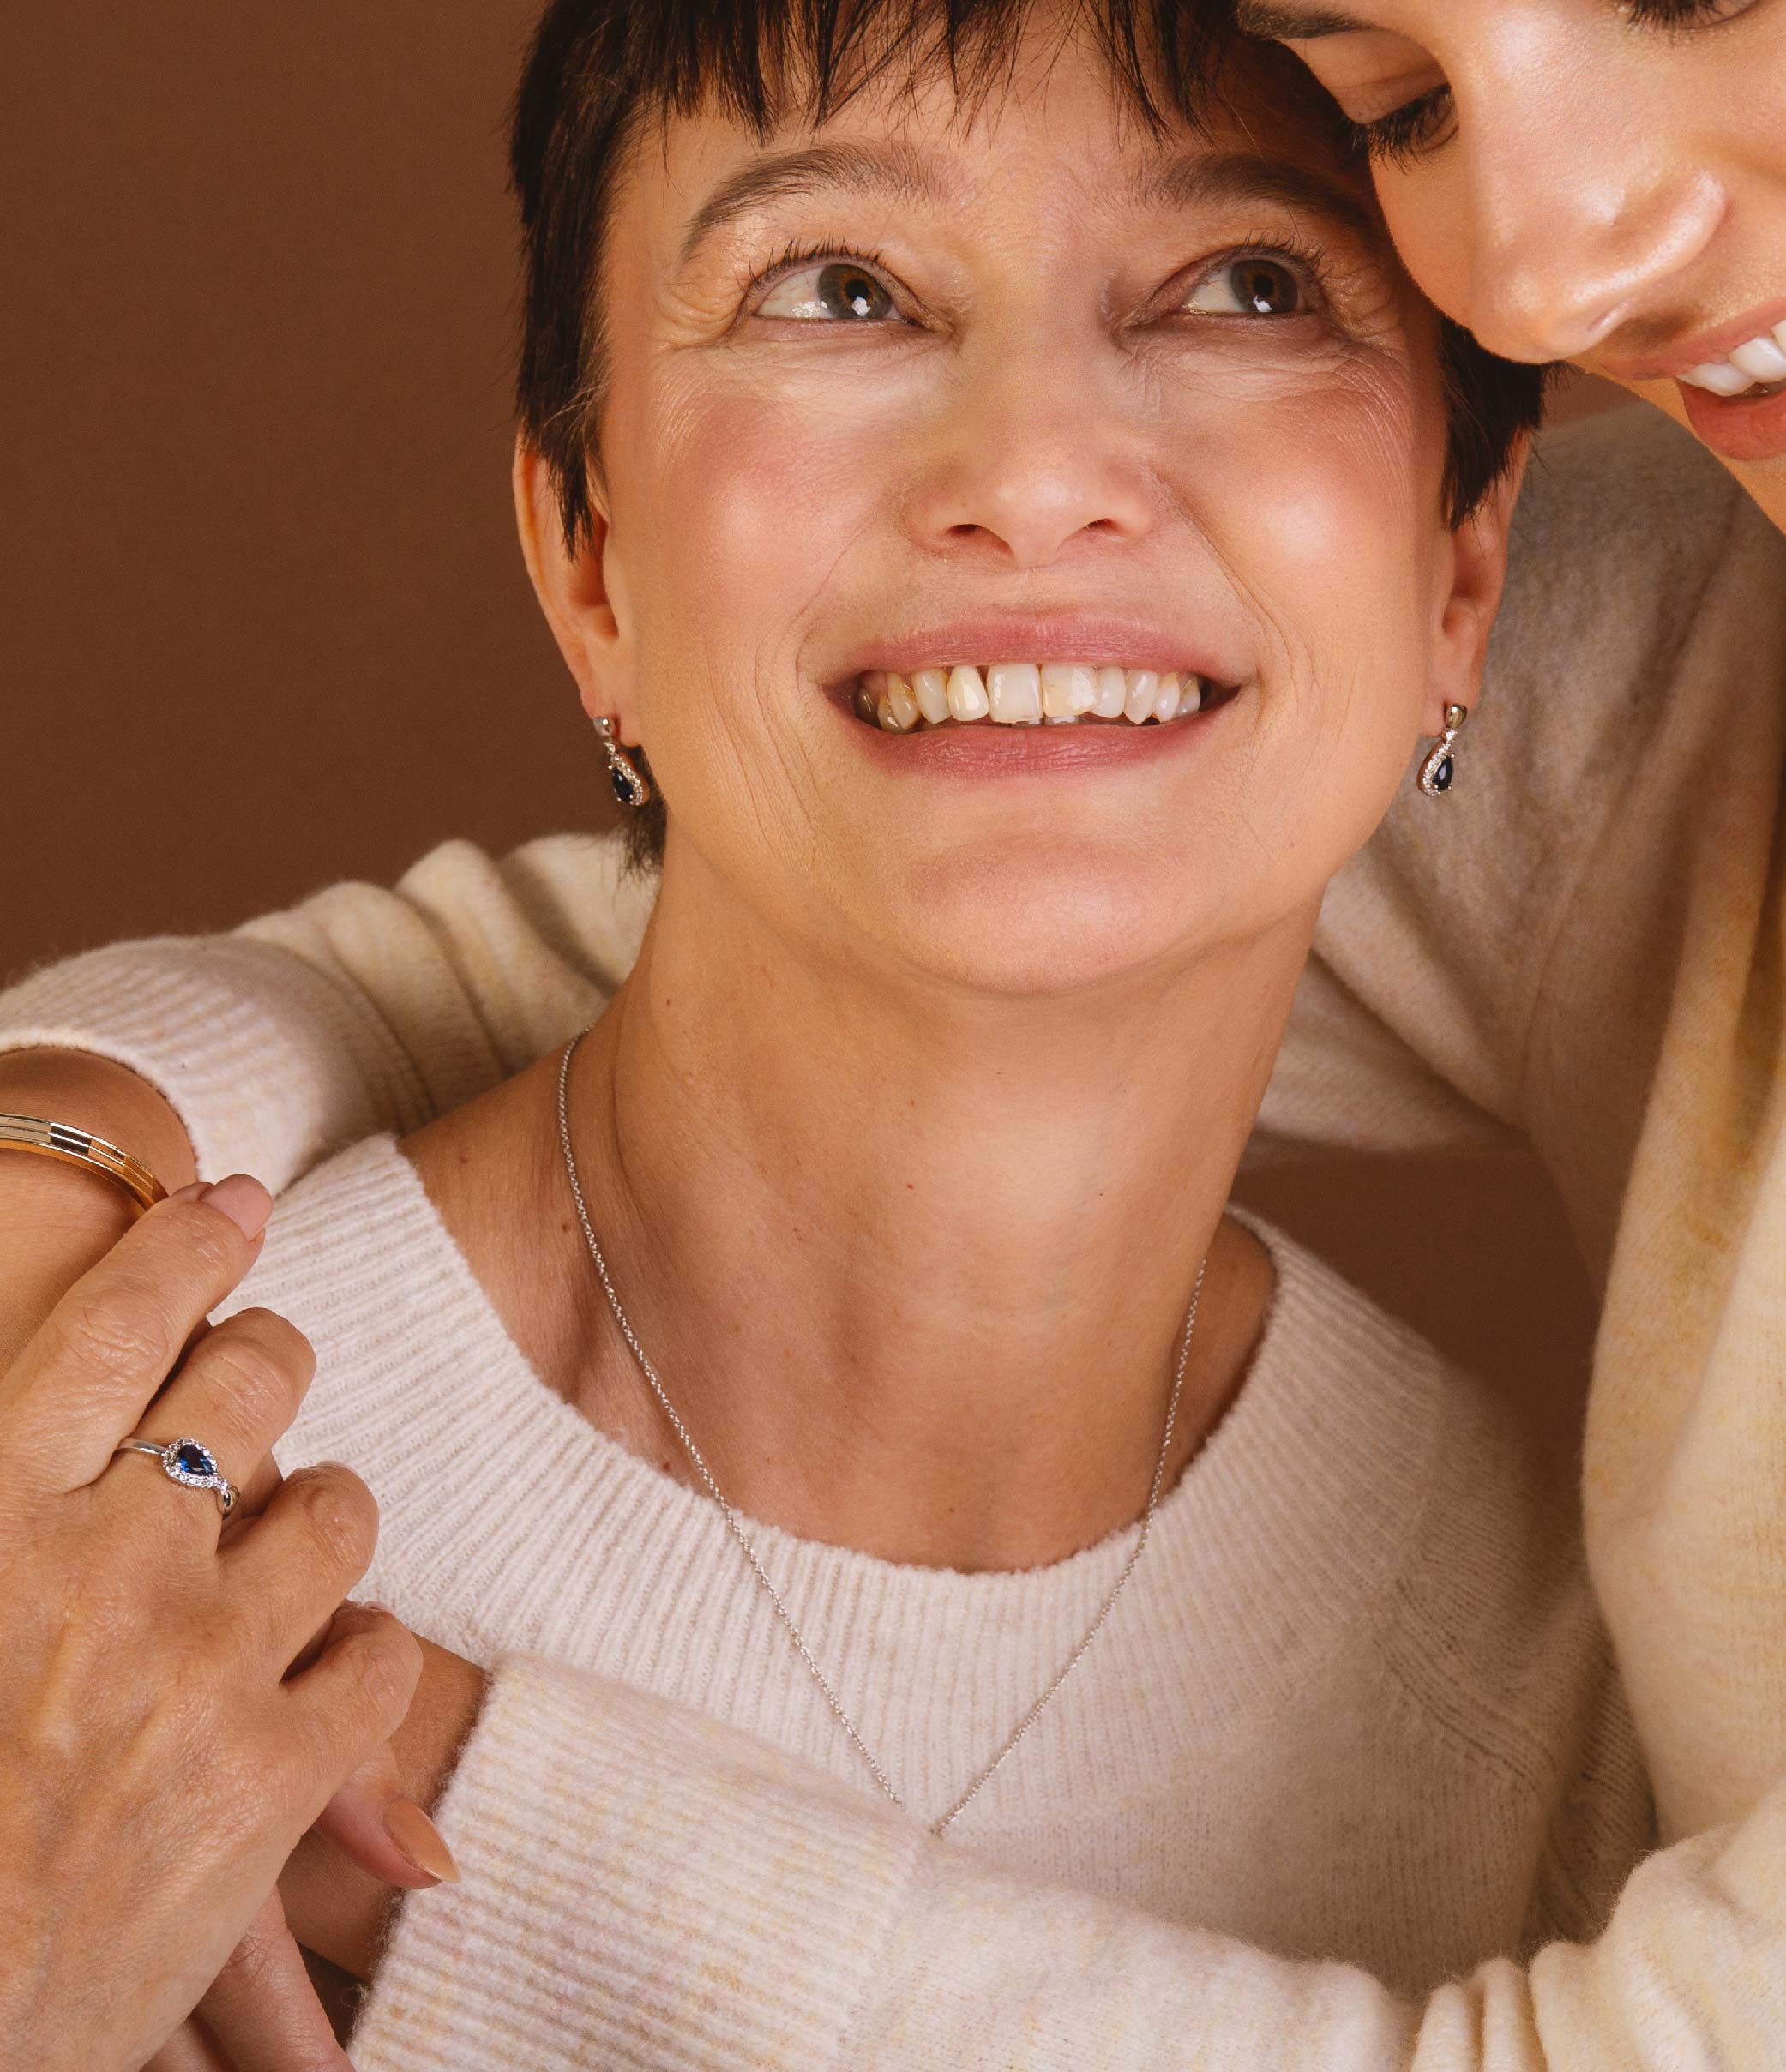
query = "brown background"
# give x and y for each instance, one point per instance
(263, 620)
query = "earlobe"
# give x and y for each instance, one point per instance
(1478, 568)
(571, 582)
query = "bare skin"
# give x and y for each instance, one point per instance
(178, 1698)
(1581, 180)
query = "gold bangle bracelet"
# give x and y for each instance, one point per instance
(79, 1148)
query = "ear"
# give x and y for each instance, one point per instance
(574, 589)
(1467, 610)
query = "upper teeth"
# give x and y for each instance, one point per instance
(1024, 694)
(1761, 362)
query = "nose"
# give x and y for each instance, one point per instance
(1036, 463)
(1575, 239)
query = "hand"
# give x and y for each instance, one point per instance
(160, 1767)
(261, 2015)
(336, 1888)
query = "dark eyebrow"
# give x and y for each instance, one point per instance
(894, 171)
(1195, 178)
(1291, 24)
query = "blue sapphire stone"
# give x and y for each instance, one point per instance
(623, 786)
(1443, 775)
(195, 1460)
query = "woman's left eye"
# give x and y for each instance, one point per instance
(1249, 287)
(838, 291)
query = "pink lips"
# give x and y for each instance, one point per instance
(1748, 429)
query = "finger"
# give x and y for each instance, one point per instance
(93, 1367)
(189, 2049)
(374, 1820)
(258, 1491)
(262, 2010)
(352, 1699)
(287, 1570)
(237, 1391)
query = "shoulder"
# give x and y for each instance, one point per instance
(1489, 1589)
(357, 1258)
(1488, 1640)
(1630, 549)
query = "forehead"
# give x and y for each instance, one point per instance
(1057, 111)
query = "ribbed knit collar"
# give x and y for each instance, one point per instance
(508, 1522)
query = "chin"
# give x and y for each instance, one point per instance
(1040, 927)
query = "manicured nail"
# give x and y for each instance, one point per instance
(245, 1201)
(420, 1841)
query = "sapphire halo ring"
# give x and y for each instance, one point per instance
(187, 1462)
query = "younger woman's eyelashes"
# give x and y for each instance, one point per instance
(1423, 125)
(1407, 133)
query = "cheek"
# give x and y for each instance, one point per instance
(753, 497)
(1324, 511)
(1428, 212)
(1322, 502)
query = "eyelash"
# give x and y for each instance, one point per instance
(796, 256)
(1307, 265)
(1677, 14)
(1405, 133)
(1409, 132)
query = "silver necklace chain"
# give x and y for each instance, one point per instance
(737, 1529)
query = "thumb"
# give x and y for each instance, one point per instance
(374, 1821)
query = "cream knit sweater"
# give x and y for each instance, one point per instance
(1582, 943)
(1355, 1703)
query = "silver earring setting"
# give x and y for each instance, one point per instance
(1438, 769)
(623, 773)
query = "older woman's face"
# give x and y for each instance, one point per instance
(1028, 393)
(1601, 181)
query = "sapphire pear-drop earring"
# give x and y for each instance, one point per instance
(623, 773)
(1438, 769)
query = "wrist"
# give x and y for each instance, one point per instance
(103, 1097)
(56, 1220)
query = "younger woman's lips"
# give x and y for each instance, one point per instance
(1738, 428)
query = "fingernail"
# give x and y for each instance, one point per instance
(245, 1201)
(420, 1841)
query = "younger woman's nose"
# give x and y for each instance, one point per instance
(1577, 239)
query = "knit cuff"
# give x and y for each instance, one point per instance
(267, 1061)
(642, 1886)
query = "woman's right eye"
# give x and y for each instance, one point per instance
(1409, 132)
(839, 290)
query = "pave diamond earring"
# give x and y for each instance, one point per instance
(623, 773)
(1438, 769)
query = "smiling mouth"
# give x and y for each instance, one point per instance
(1755, 370)
(1031, 694)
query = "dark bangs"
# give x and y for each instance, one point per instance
(600, 69)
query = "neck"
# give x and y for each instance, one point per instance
(913, 1265)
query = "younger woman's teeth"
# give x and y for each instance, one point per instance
(1759, 364)
(1023, 694)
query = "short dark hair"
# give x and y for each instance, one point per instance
(598, 68)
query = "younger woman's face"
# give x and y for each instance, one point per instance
(1600, 181)
(1020, 407)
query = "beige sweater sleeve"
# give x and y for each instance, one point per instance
(363, 1009)
(645, 1887)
